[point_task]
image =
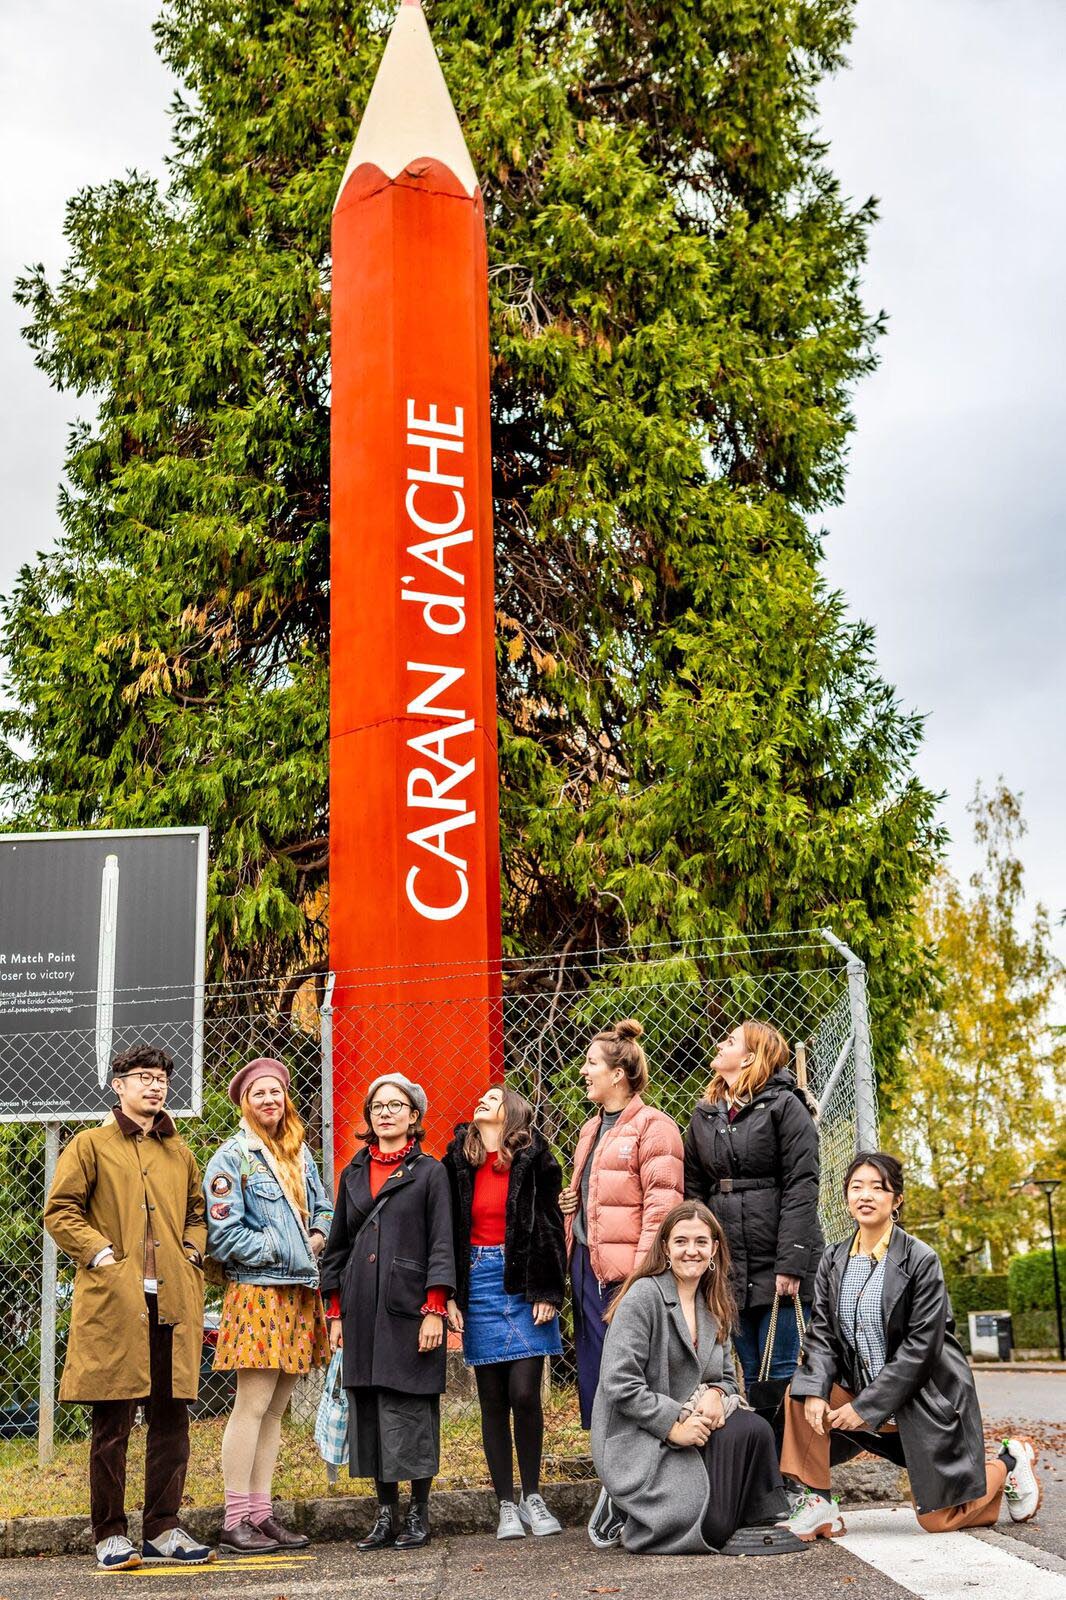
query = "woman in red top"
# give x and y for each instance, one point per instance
(510, 1264)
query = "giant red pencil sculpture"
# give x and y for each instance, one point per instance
(414, 836)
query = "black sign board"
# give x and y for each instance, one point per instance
(101, 947)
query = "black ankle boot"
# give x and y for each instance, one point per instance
(416, 1527)
(385, 1529)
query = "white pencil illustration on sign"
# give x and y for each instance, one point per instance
(105, 968)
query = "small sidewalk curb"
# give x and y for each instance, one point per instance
(454, 1511)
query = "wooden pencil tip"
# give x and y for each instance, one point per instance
(409, 113)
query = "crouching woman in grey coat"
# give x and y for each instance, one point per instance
(680, 1456)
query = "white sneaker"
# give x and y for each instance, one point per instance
(606, 1523)
(1022, 1489)
(510, 1523)
(178, 1547)
(815, 1518)
(116, 1554)
(536, 1516)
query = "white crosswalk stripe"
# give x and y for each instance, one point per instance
(944, 1566)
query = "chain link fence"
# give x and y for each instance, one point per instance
(808, 985)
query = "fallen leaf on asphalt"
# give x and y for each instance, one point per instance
(605, 1590)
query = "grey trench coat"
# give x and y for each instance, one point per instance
(649, 1370)
(926, 1383)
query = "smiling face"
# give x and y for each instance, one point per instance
(266, 1102)
(604, 1084)
(733, 1056)
(489, 1113)
(870, 1199)
(690, 1249)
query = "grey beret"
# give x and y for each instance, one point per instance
(414, 1091)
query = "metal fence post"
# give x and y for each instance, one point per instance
(866, 1136)
(47, 1391)
(326, 1033)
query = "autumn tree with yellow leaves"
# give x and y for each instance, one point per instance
(978, 1099)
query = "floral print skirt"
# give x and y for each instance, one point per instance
(273, 1327)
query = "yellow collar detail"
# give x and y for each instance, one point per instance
(880, 1249)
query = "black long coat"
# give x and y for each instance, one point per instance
(534, 1249)
(772, 1229)
(926, 1383)
(383, 1279)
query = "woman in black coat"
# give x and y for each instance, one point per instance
(510, 1253)
(751, 1155)
(387, 1270)
(881, 1370)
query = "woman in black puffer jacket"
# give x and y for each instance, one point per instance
(751, 1155)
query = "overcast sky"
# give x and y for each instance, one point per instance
(951, 538)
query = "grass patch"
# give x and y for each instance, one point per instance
(62, 1488)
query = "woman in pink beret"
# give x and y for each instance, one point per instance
(267, 1220)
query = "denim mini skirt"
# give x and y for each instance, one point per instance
(499, 1326)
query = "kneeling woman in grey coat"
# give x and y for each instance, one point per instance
(667, 1380)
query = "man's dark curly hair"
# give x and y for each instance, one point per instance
(142, 1058)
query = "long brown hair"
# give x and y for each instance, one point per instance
(769, 1051)
(619, 1045)
(286, 1146)
(713, 1286)
(517, 1130)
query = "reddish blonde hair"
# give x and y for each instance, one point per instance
(286, 1145)
(769, 1051)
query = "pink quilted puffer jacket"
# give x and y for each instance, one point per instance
(638, 1175)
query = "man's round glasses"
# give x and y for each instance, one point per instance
(150, 1080)
(392, 1107)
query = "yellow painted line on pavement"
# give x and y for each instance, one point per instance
(201, 1569)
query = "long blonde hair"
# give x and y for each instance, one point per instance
(769, 1051)
(286, 1146)
(714, 1286)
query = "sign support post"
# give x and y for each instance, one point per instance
(47, 1395)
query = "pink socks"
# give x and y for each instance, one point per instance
(238, 1506)
(260, 1506)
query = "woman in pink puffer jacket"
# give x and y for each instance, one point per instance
(628, 1173)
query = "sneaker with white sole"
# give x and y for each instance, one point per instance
(1022, 1490)
(815, 1518)
(116, 1554)
(536, 1516)
(510, 1523)
(606, 1523)
(179, 1548)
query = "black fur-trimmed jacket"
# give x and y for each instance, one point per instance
(534, 1250)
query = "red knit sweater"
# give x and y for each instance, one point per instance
(488, 1211)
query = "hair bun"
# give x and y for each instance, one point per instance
(628, 1028)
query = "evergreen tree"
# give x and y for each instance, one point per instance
(695, 741)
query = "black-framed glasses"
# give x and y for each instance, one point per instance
(392, 1107)
(148, 1080)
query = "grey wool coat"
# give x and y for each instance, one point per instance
(649, 1370)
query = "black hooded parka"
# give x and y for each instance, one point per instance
(759, 1175)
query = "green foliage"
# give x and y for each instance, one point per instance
(978, 1102)
(1032, 1282)
(695, 740)
(975, 1291)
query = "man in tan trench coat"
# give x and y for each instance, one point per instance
(127, 1205)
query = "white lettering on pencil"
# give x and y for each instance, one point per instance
(442, 769)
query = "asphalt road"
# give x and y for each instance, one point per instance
(1032, 1403)
(567, 1568)
(470, 1568)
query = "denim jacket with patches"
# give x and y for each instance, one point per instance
(253, 1229)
